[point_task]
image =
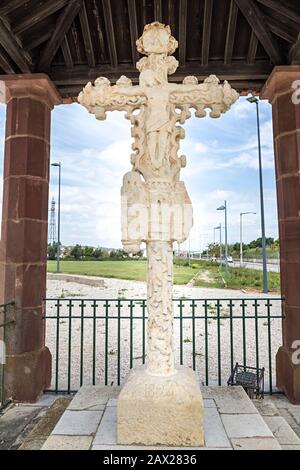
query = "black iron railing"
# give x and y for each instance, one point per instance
(96, 341)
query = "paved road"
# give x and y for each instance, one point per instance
(273, 267)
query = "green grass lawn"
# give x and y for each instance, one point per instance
(208, 274)
(132, 270)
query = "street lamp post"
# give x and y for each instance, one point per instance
(224, 208)
(219, 227)
(241, 235)
(58, 217)
(253, 99)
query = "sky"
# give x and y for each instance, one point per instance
(222, 164)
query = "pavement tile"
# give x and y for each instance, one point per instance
(282, 430)
(107, 431)
(93, 397)
(214, 432)
(252, 443)
(231, 400)
(78, 423)
(209, 403)
(68, 443)
(245, 425)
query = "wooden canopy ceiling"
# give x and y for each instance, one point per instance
(74, 41)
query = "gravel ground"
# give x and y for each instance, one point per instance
(89, 331)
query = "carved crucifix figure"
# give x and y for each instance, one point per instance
(156, 208)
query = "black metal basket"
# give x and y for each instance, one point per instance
(250, 378)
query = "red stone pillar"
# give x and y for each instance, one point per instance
(286, 125)
(23, 248)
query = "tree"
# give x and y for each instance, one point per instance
(88, 252)
(76, 252)
(52, 250)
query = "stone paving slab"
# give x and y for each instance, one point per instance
(93, 397)
(68, 443)
(231, 400)
(265, 408)
(46, 400)
(209, 403)
(245, 425)
(13, 424)
(290, 447)
(281, 430)
(253, 443)
(214, 432)
(107, 431)
(78, 423)
(116, 447)
(112, 402)
(295, 412)
(231, 421)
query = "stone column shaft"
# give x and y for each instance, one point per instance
(286, 125)
(160, 352)
(23, 252)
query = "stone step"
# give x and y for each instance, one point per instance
(231, 422)
(280, 422)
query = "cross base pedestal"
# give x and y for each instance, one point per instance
(161, 410)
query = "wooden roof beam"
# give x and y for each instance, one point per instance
(37, 14)
(13, 48)
(280, 31)
(253, 43)
(258, 24)
(65, 47)
(5, 63)
(11, 6)
(133, 26)
(294, 55)
(87, 38)
(278, 6)
(109, 26)
(62, 26)
(182, 31)
(158, 10)
(230, 32)
(208, 8)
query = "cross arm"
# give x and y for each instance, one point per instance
(102, 97)
(209, 94)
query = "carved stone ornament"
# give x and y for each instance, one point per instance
(156, 208)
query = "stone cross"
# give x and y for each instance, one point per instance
(156, 208)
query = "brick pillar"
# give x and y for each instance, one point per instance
(286, 125)
(23, 248)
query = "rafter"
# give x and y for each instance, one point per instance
(257, 22)
(158, 10)
(11, 45)
(37, 14)
(65, 47)
(87, 39)
(182, 31)
(11, 5)
(38, 40)
(208, 8)
(253, 43)
(230, 32)
(62, 26)
(133, 26)
(294, 55)
(101, 44)
(278, 6)
(5, 63)
(109, 26)
(280, 31)
(236, 71)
